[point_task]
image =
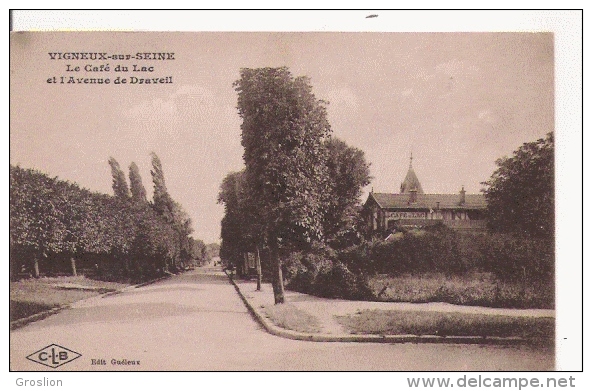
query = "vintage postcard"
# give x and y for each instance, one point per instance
(284, 201)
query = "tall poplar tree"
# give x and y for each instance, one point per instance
(120, 187)
(163, 202)
(136, 186)
(172, 212)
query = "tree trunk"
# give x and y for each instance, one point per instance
(73, 262)
(276, 265)
(258, 270)
(36, 267)
(245, 265)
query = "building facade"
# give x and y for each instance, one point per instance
(411, 207)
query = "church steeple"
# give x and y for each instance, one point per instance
(411, 182)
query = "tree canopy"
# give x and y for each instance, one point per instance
(137, 188)
(521, 192)
(234, 225)
(162, 201)
(120, 187)
(283, 130)
(173, 213)
(349, 173)
(52, 219)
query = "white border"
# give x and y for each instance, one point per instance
(566, 26)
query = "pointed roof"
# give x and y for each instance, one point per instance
(411, 182)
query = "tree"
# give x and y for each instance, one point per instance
(520, 193)
(75, 206)
(162, 201)
(348, 174)
(155, 246)
(173, 213)
(197, 251)
(137, 188)
(241, 230)
(213, 250)
(120, 187)
(183, 226)
(283, 129)
(54, 220)
(234, 223)
(36, 223)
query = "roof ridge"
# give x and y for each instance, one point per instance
(374, 198)
(424, 194)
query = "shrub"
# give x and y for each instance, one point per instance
(521, 261)
(300, 269)
(358, 258)
(339, 282)
(512, 257)
(469, 248)
(414, 251)
(318, 272)
(441, 249)
(295, 273)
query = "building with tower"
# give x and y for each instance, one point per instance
(411, 207)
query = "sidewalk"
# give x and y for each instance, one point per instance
(15, 324)
(326, 311)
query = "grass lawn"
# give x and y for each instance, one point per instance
(383, 322)
(289, 317)
(31, 296)
(481, 289)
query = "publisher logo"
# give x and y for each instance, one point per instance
(53, 356)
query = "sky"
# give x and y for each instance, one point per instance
(457, 101)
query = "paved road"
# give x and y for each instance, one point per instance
(197, 322)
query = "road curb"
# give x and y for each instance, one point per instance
(15, 324)
(284, 333)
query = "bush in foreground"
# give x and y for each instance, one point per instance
(436, 249)
(509, 257)
(318, 272)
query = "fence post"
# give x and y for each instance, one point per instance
(258, 269)
(73, 262)
(36, 267)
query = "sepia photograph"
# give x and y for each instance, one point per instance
(283, 201)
